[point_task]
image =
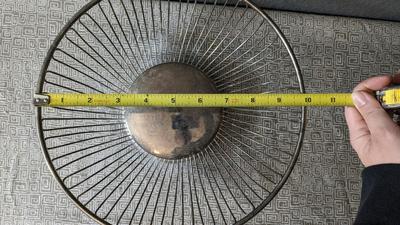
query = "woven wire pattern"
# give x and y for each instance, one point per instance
(102, 168)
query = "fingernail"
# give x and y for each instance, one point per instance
(359, 99)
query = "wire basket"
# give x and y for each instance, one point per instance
(170, 166)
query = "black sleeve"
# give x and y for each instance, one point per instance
(380, 195)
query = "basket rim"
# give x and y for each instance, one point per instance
(95, 217)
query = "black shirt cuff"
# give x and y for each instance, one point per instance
(380, 195)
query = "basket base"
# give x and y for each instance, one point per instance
(173, 133)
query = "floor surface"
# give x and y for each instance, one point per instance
(334, 54)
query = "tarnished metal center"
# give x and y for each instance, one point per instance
(173, 133)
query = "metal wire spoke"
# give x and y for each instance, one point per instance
(216, 40)
(97, 54)
(148, 165)
(209, 31)
(203, 29)
(233, 165)
(85, 74)
(229, 43)
(113, 178)
(116, 36)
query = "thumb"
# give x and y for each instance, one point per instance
(374, 115)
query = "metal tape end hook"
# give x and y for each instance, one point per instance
(41, 100)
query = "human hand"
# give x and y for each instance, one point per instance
(373, 134)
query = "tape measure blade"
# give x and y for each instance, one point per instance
(201, 100)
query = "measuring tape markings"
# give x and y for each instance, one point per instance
(200, 100)
(391, 97)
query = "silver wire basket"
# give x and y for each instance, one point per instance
(170, 166)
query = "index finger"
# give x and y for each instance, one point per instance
(374, 83)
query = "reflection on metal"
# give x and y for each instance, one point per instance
(173, 133)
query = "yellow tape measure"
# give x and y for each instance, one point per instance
(389, 98)
(194, 100)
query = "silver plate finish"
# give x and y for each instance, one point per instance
(173, 133)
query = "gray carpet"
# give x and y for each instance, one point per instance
(334, 54)
(384, 10)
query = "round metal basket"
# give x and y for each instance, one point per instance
(96, 154)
